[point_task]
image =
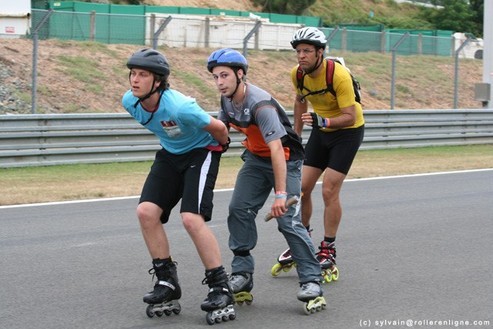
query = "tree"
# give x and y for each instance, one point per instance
(477, 6)
(456, 15)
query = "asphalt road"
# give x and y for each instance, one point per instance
(415, 248)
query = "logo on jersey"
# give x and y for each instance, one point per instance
(171, 128)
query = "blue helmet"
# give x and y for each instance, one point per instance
(227, 57)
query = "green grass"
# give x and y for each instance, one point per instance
(88, 181)
(27, 175)
(81, 68)
(198, 82)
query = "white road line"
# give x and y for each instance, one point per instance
(231, 189)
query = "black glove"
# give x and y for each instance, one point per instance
(318, 121)
(225, 147)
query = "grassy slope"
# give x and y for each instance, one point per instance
(99, 79)
(100, 76)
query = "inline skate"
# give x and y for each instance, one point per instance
(312, 295)
(285, 260)
(327, 258)
(219, 301)
(242, 285)
(284, 263)
(164, 298)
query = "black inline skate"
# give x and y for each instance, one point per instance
(219, 301)
(327, 258)
(164, 298)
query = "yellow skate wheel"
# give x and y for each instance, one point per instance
(276, 269)
(327, 279)
(289, 266)
(306, 309)
(314, 305)
(309, 308)
(243, 297)
(335, 274)
(327, 276)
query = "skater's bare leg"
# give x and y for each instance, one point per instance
(310, 177)
(149, 215)
(331, 188)
(204, 240)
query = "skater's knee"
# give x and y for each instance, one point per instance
(285, 225)
(306, 194)
(148, 214)
(330, 195)
(192, 222)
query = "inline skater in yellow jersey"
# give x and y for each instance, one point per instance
(337, 132)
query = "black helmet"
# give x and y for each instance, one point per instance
(150, 60)
(227, 57)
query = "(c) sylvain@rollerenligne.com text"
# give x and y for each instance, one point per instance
(410, 323)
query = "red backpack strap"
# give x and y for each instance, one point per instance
(299, 78)
(329, 76)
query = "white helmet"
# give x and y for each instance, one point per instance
(309, 35)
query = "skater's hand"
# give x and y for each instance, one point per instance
(314, 120)
(278, 208)
(225, 147)
(290, 202)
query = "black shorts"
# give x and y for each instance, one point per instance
(335, 150)
(190, 177)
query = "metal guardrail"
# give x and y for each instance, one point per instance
(53, 139)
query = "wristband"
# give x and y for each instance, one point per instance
(319, 121)
(281, 195)
(326, 122)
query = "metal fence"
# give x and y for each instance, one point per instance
(53, 139)
(215, 31)
(201, 31)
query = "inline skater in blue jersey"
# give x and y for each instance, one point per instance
(185, 169)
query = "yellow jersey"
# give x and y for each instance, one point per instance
(326, 104)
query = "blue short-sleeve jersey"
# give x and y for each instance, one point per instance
(178, 121)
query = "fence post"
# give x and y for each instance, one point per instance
(456, 71)
(155, 36)
(34, 86)
(452, 45)
(152, 27)
(207, 34)
(92, 32)
(344, 40)
(331, 35)
(383, 42)
(392, 83)
(255, 29)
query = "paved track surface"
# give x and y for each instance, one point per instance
(411, 248)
